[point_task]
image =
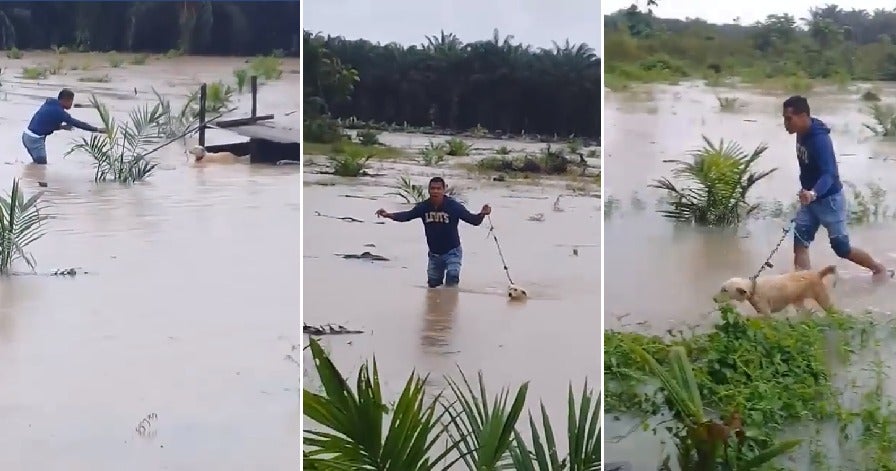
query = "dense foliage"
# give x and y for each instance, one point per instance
(206, 27)
(830, 43)
(494, 84)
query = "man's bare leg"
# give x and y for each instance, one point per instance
(801, 257)
(878, 271)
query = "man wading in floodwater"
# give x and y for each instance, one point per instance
(49, 118)
(440, 215)
(821, 196)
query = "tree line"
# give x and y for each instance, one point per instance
(496, 84)
(205, 27)
(830, 42)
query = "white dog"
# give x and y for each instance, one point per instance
(770, 294)
(202, 155)
(515, 293)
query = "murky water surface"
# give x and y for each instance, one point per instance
(189, 307)
(664, 275)
(551, 340)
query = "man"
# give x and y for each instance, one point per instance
(441, 215)
(822, 200)
(49, 118)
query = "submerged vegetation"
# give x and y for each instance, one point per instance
(120, 153)
(805, 378)
(21, 224)
(830, 44)
(463, 427)
(719, 177)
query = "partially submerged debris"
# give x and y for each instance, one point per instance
(342, 218)
(143, 428)
(363, 256)
(64, 272)
(328, 329)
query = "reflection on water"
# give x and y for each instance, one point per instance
(665, 275)
(438, 317)
(188, 309)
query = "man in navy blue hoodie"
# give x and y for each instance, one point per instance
(821, 195)
(440, 215)
(51, 116)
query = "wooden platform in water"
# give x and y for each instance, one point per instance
(279, 134)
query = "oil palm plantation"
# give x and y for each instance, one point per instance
(496, 83)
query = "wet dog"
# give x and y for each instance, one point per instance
(770, 294)
(515, 293)
(201, 155)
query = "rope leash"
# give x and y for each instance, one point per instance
(186, 133)
(768, 260)
(491, 232)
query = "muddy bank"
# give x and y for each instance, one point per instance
(188, 311)
(551, 340)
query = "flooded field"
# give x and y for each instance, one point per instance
(662, 276)
(189, 305)
(551, 340)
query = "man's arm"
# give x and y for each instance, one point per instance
(68, 119)
(466, 216)
(404, 216)
(827, 163)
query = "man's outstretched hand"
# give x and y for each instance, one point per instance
(486, 210)
(382, 213)
(101, 131)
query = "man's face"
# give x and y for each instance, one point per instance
(795, 122)
(436, 190)
(67, 103)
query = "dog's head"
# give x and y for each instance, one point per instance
(735, 289)
(515, 292)
(198, 152)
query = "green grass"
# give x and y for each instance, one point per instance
(139, 59)
(784, 376)
(267, 68)
(14, 53)
(114, 60)
(345, 147)
(95, 78)
(34, 73)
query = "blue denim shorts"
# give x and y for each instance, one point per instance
(830, 212)
(36, 147)
(444, 268)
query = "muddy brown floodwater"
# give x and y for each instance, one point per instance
(551, 340)
(662, 275)
(189, 307)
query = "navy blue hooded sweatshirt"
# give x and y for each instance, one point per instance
(440, 223)
(50, 116)
(818, 164)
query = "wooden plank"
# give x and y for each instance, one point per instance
(268, 133)
(229, 123)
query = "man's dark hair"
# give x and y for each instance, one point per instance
(438, 180)
(799, 104)
(66, 94)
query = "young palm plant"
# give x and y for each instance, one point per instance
(583, 433)
(173, 125)
(21, 224)
(120, 153)
(353, 423)
(720, 178)
(703, 443)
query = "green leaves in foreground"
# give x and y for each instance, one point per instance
(21, 224)
(471, 429)
(353, 422)
(702, 443)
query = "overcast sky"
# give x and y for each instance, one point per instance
(718, 11)
(535, 22)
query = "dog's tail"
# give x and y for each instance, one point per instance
(827, 271)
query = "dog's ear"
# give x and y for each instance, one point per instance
(741, 291)
(524, 292)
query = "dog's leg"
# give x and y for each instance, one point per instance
(822, 297)
(761, 307)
